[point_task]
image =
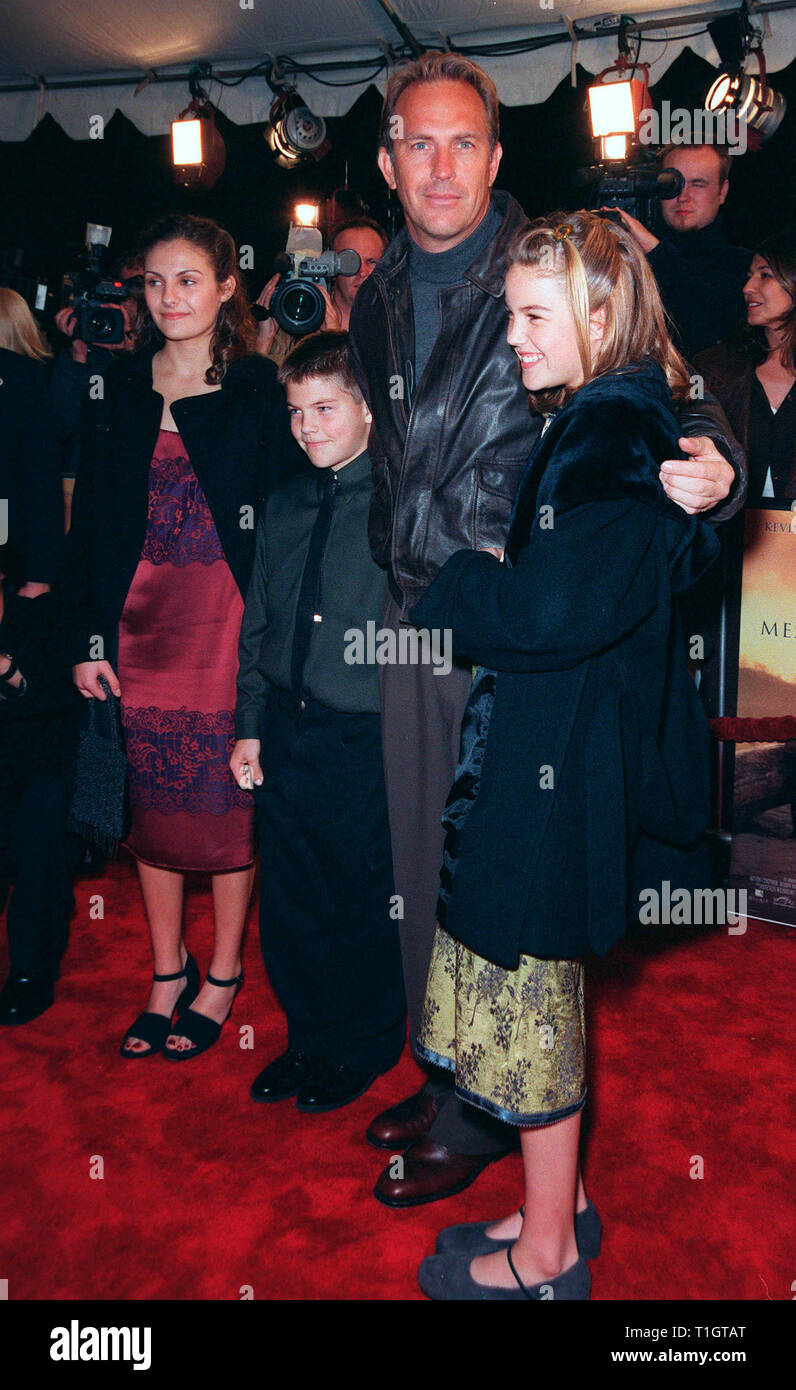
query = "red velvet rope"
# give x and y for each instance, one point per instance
(777, 729)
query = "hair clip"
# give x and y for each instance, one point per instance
(561, 233)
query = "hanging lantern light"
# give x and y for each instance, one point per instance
(199, 154)
(616, 99)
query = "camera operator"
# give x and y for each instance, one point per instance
(77, 364)
(700, 273)
(369, 239)
(361, 234)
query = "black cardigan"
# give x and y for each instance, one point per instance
(592, 684)
(239, 442)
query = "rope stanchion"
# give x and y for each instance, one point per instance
(774, 729)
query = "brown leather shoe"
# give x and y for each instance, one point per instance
(403, 1123)
(430, 1172)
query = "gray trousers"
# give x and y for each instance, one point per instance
(421, 721)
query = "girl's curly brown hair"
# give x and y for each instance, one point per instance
(235, 332)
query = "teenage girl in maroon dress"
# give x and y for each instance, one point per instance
(177, 665)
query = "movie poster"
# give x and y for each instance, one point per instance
(764, 797)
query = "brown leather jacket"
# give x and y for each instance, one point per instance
(448, 451)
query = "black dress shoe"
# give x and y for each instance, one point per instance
(24, 997)
(331, 1086)
(283, 1077)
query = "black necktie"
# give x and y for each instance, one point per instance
(308, 608)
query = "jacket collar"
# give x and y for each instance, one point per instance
(349, 479)
(488, 272)
(138, 365)
(356, 472)
(642, 381)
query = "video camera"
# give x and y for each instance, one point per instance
(637, 185)
(297, 303)
(93, 295)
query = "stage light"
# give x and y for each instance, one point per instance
(186, 142)
(613, 147)
(306, 214)
(295, 133)
(198, 151)
(751, 98)
(615, 108)
(611, 109)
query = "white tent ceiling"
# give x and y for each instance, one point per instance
(64, 45)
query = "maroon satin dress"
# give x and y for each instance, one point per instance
(178, 663)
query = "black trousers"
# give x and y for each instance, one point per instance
(328, 929)
(33, 858)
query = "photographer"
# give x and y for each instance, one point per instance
(76, 365)
(361, 234)
(369, 239)
(700, 274)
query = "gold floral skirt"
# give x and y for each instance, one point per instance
(515, 1039)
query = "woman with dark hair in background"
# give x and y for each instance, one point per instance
(172, 462)
(754, 375)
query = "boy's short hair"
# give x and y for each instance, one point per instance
(325, 353)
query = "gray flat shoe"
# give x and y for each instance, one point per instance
(447, 1278)
(471, 1239)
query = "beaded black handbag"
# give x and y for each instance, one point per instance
(99, 809)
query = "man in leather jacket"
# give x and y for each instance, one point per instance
(450, 438)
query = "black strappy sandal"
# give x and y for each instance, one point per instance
(154, 1028)
(200, 1030)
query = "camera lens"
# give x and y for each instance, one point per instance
(99, 327)
(298, 306)
(99, 323)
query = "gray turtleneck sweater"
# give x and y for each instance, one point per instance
(429, 270)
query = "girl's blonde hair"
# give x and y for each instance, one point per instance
(19, 331)
(603, 268)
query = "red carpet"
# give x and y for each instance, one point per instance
(205, 1193)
